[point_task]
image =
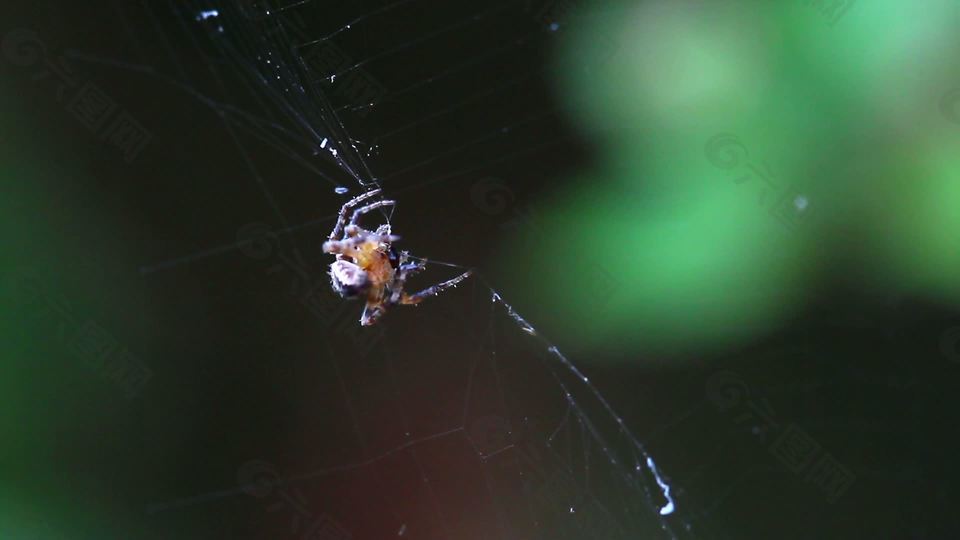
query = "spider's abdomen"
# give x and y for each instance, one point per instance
(348, 279)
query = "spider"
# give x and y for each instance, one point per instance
(367, 264)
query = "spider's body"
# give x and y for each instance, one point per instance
(367, 265)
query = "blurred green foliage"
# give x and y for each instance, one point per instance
(61, 414)
(748, 150)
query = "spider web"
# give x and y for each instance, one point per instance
(458, 420)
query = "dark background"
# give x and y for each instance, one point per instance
(185, 253)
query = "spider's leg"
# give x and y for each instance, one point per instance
(435, 290)
(364, 209)
(371, 313)
(402, 259)
(413, 268)
(404, 270)
(347, 244)
(342, 218)
(337, 247)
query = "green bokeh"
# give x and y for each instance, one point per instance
(61, 412)
(914, 220)
(694, 256)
